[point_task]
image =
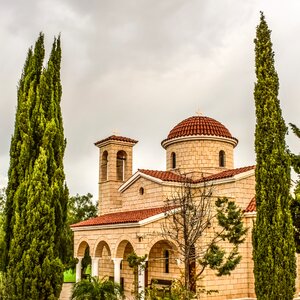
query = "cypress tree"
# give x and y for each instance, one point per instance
(295, 207)
(21, 142)
(273, 242)
(35, 269)
(51, 98)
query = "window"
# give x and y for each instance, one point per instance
(166, 261)
(173, 158)
(104, 166)
(121, 163)
(221, 158)
(141, 191)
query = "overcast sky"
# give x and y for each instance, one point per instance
(139, 67)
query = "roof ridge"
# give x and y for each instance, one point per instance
(129, 216)
(116, 138)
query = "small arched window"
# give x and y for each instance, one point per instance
(121, 163)
(166, 261)
(222, 161)
(104, 162)
(173, 158)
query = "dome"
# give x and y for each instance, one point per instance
(199, 126)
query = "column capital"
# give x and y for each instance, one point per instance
(117, 259)
(95, 258)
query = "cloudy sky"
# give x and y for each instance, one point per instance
(139, 67)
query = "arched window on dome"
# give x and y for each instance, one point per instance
(121, 163)
(222, 160)
(104, 162)
(173, 158)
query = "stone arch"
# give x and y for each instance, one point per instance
(121, 246)
(82, 245)
(99, 246)
(157, 239)
(162, 261)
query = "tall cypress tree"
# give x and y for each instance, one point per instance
(51, 98)
(273, 242)
(21, 142)
(35, 269)
(295, 207)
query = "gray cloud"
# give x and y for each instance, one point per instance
(140, 67)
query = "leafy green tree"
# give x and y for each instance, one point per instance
(296, 157)
(196, 214)
(136, 262)
(96, 289)
(80, 208)
(36, 206)
(295, 206)
(273, 242)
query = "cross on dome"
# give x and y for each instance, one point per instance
(116, 132)
(199, 112)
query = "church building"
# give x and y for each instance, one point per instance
(132, 207)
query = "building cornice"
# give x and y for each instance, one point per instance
(169, 142)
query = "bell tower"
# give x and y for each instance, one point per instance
(115, 167)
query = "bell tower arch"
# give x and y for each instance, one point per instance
(115, 167)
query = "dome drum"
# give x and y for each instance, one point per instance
(199, 144)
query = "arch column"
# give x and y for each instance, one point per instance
(117, 269)
(95, 266)
(78, 269)
(141, 280)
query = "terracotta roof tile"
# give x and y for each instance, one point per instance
(164, 175)
(116, 138)
(251, 206)
(199, 125)
(226, 174)
(171, 176)
(133, 216)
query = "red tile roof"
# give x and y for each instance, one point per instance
(133, 216)
(171, 176)
(199, 125)
(116, 138)
(251, 206)
(164, 175)
(227, 174)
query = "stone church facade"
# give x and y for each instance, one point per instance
(132, 207)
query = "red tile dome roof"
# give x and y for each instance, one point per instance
(199, 126)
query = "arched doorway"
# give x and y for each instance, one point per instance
(103, 265)
(126, 273)
(162, 263)
(83, 267)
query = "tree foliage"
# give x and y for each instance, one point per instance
(36, 205)
(273, 243)
(80, 208)
(136, 263)
(96, 289)
(295, 206)
(2, 242)
(191, 214)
